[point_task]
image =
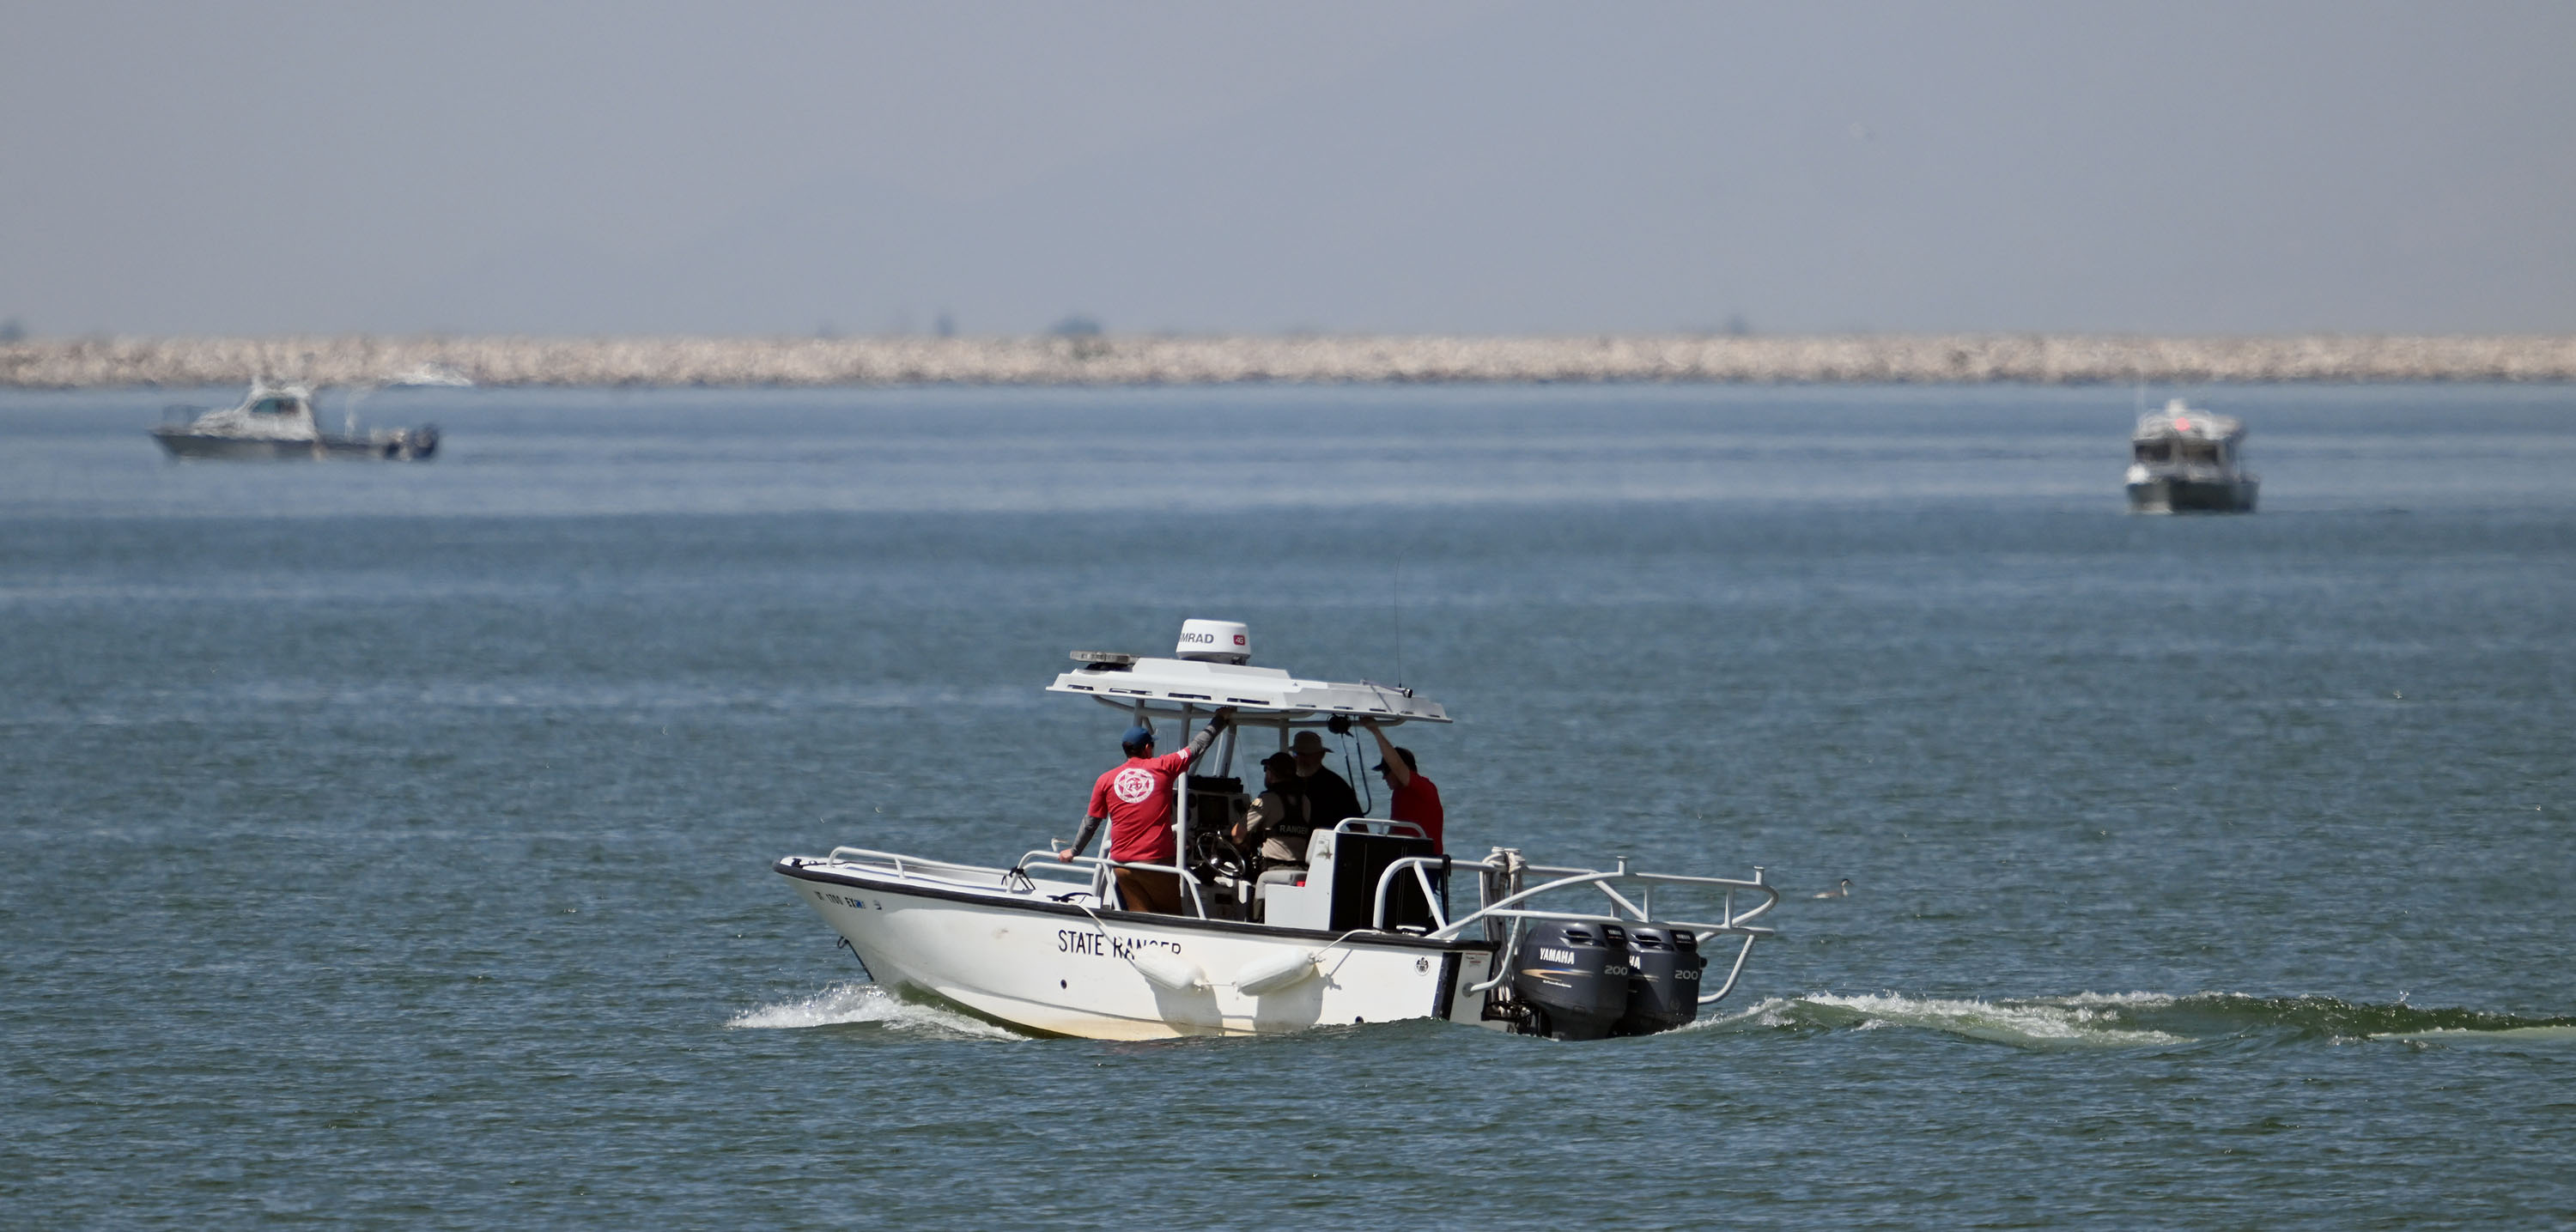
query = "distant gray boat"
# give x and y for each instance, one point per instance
(2184, 461)
(275, 424)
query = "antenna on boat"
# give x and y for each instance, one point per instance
(1399, 618)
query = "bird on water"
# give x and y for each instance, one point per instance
(1840, 891)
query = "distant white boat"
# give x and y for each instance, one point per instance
(2184, 461)
(275, 423)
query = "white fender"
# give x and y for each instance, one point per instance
(1169, 969)
(1263, 976)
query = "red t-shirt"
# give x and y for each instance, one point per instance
(1418, 802)
(1137, 800)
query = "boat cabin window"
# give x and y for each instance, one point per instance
(2155, 451)
(2200, 451)
(272, 406)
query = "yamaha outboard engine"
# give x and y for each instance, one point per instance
(1572, 977)
(1664, 967)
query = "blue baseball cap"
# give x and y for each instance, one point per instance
(1139, 734)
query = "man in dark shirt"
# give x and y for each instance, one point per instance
(1329, 796)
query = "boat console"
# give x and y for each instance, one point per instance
(1338, 887)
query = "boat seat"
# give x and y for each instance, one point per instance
(1283, 877)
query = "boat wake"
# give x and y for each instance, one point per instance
(2040, 1023)
(2130, 1020)
(870, 1005)
(2147, 1020)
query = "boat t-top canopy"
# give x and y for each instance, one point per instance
(1261, 696)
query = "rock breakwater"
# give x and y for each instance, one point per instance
(1155, 360)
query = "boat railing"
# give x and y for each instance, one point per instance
(1078, 869)
(1380, 825)
(1624, 910)
(1092, 872)
(1096, 874)
(915, 867)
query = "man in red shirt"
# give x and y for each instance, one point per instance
(1136, 799)
(1410, 797)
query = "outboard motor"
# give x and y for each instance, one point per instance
(1664, 967)
(1573, 977)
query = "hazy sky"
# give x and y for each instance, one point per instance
(647, 166)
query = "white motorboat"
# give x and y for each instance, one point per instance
(2183, 460)
(1364, 932)
(275, 423)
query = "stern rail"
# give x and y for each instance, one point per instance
(1625, 911)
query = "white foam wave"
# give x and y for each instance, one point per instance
(1768, 1012)
(2086, 1021)
(2124, 1000)
(844, 1004)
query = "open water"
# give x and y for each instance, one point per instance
(389, 845)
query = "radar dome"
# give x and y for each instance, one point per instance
(1215, 641)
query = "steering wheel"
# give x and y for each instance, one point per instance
(1211, 850)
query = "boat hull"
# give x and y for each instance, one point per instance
(1056, 968)
(2164, 495)
(414, 446)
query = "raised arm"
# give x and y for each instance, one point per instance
(1396, 771)
(1207, 735)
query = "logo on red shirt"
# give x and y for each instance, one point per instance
(1133, 784)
